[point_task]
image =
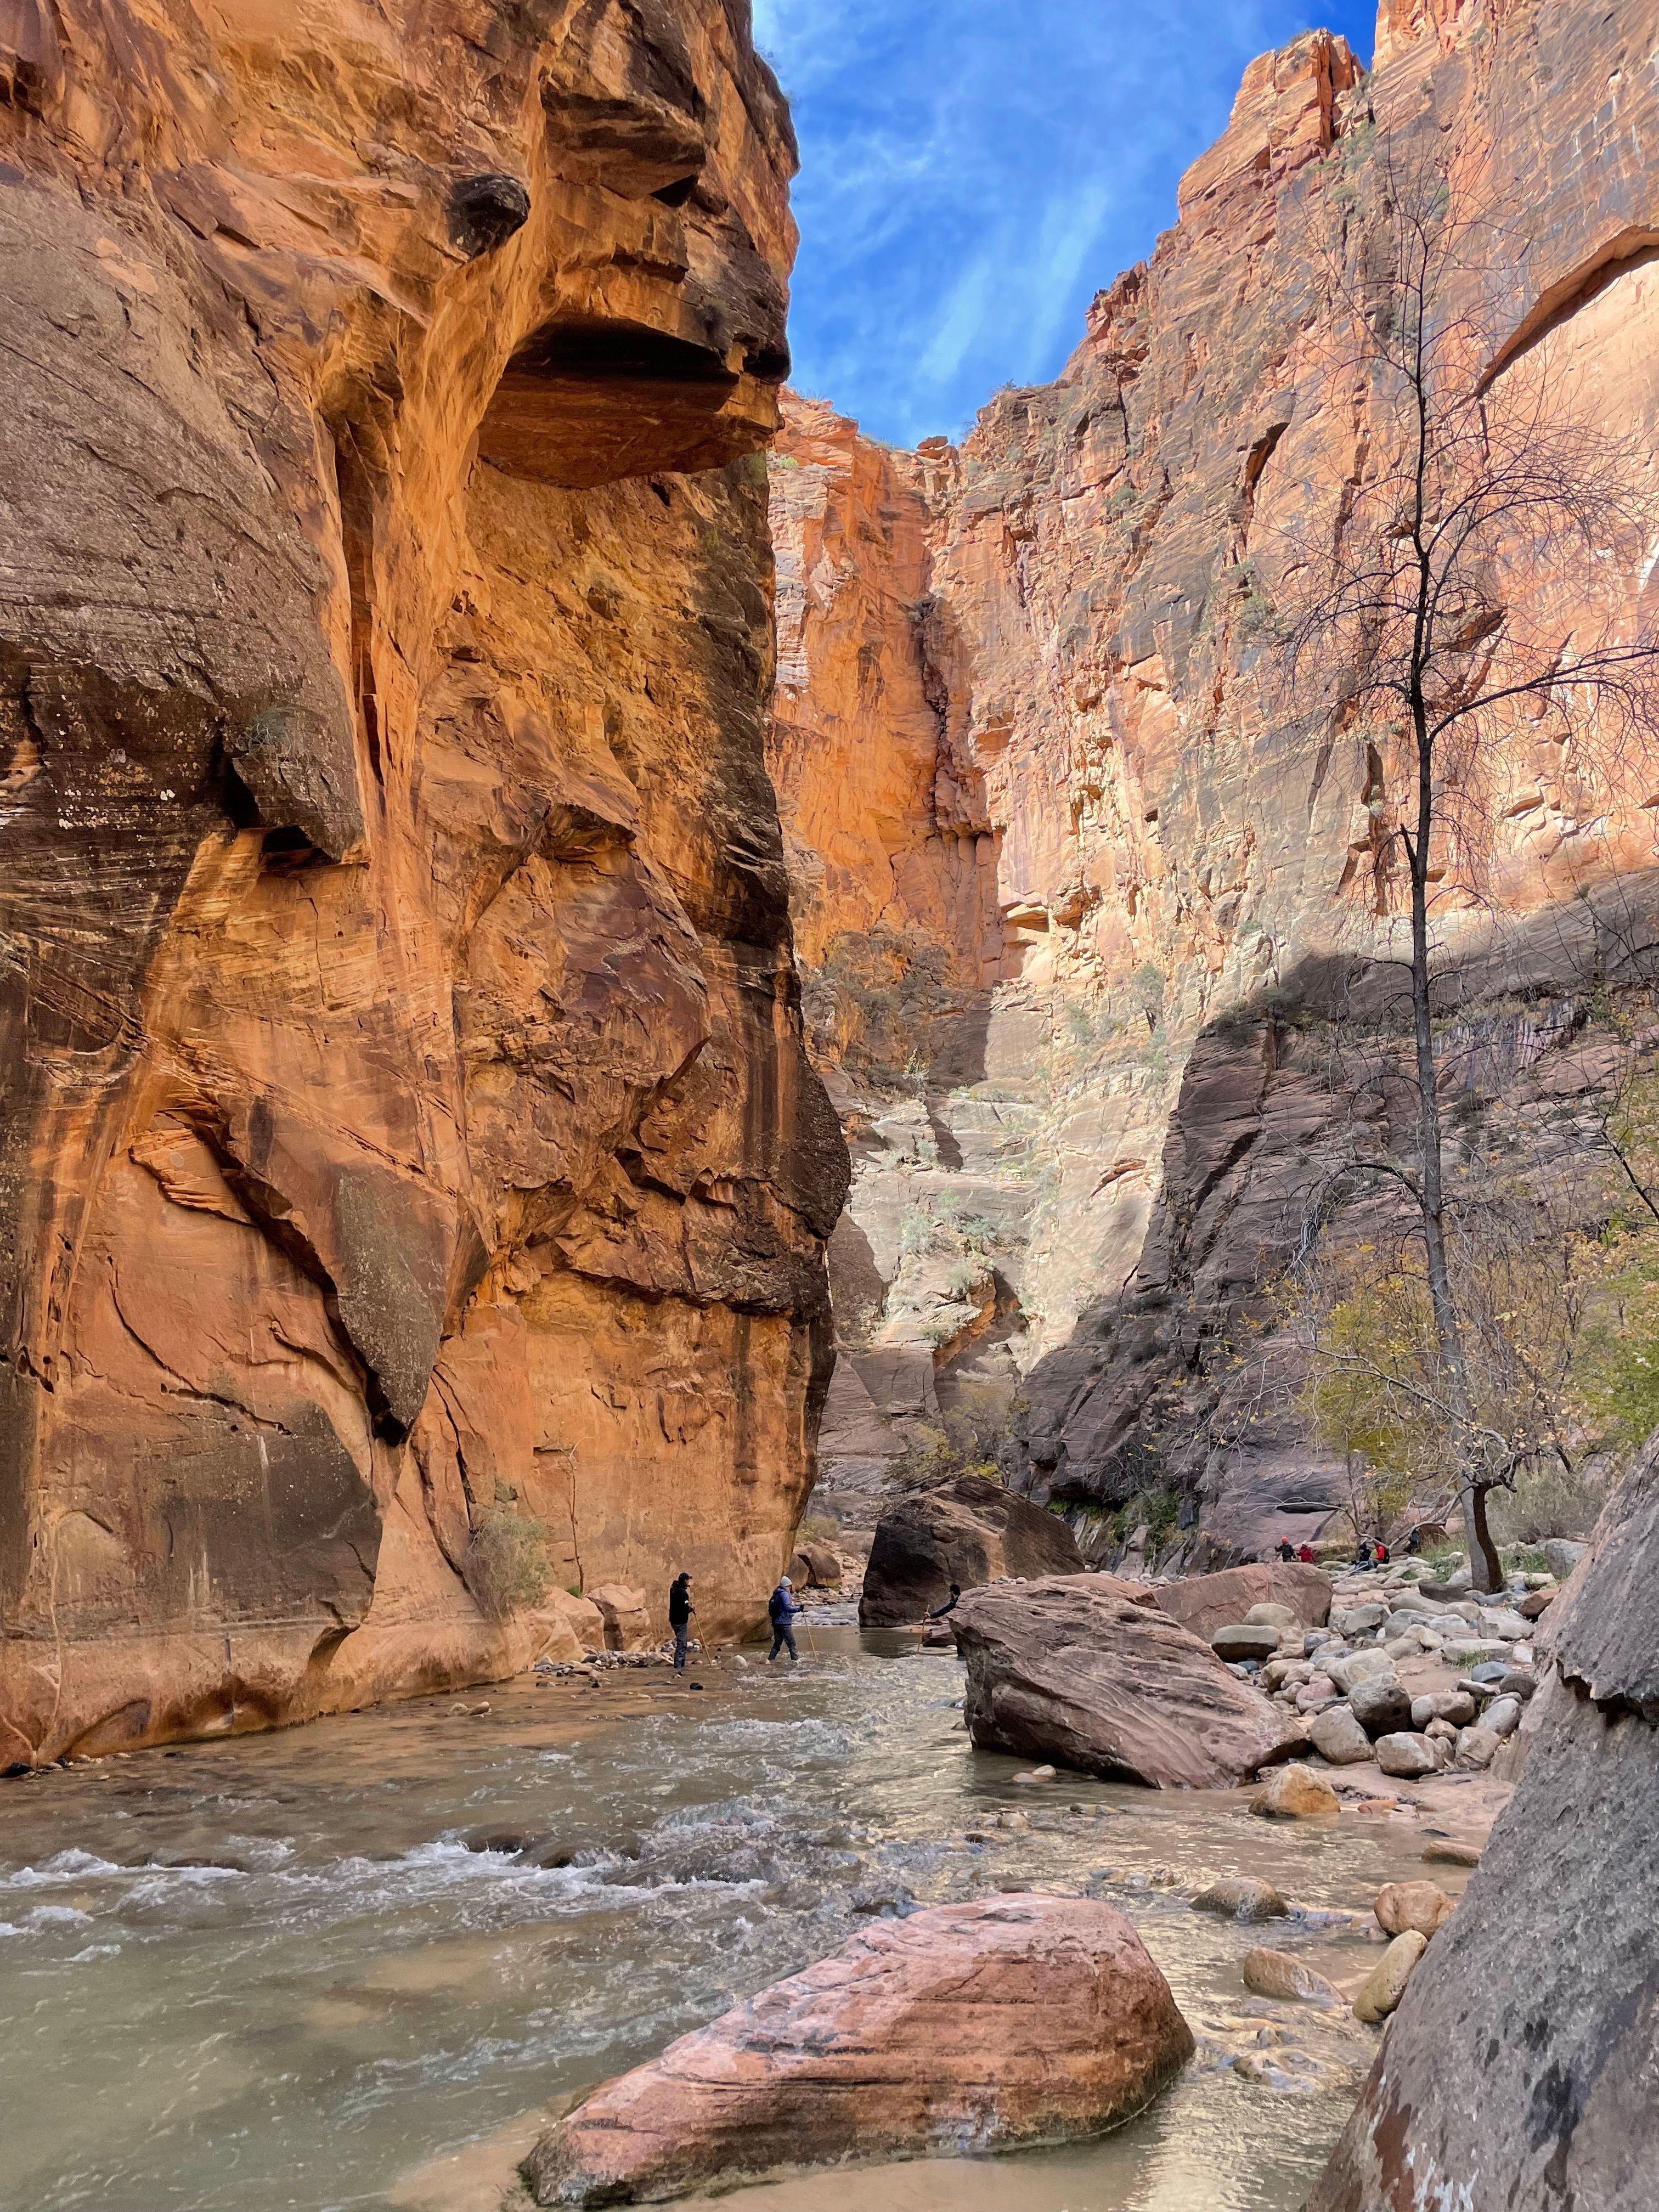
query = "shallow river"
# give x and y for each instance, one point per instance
(326, 2001)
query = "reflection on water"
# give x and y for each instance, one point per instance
(267, 1974)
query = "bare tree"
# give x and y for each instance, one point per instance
(1466, 609)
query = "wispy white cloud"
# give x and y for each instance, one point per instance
(973, 170)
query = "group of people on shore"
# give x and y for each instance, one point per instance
(1367, 1553)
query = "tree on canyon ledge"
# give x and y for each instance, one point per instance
(1464, 624)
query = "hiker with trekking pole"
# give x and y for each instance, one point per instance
(781, 1612)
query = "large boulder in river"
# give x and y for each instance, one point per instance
(1519, 2070)
(1204, 1603)
(970, 1531)
(1070, 1670)
(1014, 2020)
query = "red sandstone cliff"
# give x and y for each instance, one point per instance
(404, 1114)
(1181, 872)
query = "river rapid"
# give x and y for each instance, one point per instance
(266, 1973)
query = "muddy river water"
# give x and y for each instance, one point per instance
(266, 1973)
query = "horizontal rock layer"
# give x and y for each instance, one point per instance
(406, 1145)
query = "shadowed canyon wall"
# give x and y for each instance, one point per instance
(404, 1113)
(1110, 1056)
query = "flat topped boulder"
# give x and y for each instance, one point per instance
(1066, 1669)
(970, 1531)
(1011, 2020)
(1204, 1603)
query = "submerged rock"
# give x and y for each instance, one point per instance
(1242, 1898)
(1276, 1974)
(970, 1531)
(1069, 1670)
(1015, 2019)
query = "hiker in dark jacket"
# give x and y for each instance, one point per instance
(680, 1610)
(782, 1613)
(950, 1604)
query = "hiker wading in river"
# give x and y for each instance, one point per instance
(782, 1613)
(680, 1610)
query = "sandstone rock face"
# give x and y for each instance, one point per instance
(404, 1113)
(968, 1532)
(1068, 1670)
(1015, 2019)
(1183, 887)
(1204, 1603)
(1520, 2067)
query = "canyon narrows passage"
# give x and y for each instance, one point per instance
(599, 975)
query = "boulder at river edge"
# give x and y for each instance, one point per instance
(968, 1531)
(1069, 1670)
(1015, 2019)
(1204, 1603)
(1518, 2074)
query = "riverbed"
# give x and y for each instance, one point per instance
(267, 1973)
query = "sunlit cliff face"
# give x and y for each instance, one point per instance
(403, 1103)
(1114, 871)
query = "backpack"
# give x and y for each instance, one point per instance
(779, 1608)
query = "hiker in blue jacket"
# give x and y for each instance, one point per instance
(782, 1613)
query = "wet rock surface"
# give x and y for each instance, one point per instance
(1017, 2020)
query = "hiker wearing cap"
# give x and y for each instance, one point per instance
(680, 1610)
(782, 1613)
(950, 1604)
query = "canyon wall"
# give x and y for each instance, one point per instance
(405, 1135)
(1119, 1049)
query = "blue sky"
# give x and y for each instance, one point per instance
(973, 171)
